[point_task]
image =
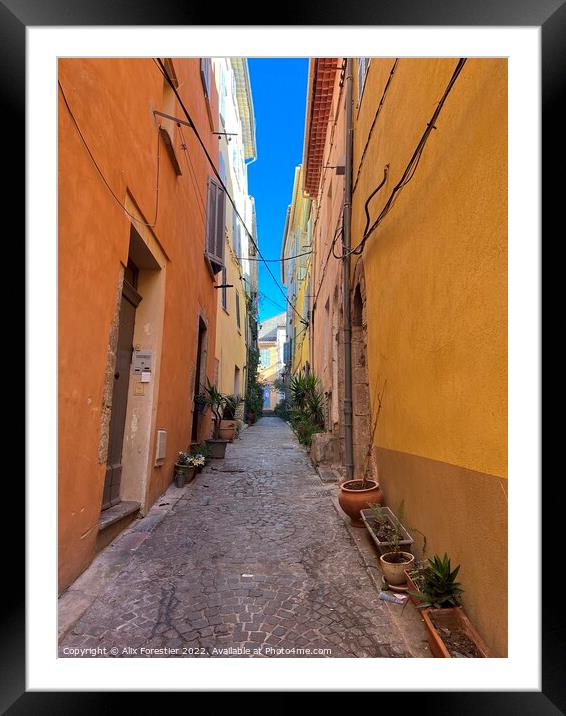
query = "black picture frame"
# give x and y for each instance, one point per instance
(550, 15)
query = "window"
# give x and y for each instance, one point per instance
(206, 75)
(238, 310)
(215, 223)
(224, 290)
(236, 236)
(264, 357)
(206, 78)
(363, 65)
(168, 128)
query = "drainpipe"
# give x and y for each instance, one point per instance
(347, 242)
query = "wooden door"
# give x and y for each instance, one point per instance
(130, 299)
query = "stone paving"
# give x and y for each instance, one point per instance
(252, 560)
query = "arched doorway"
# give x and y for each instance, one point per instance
(362, 416)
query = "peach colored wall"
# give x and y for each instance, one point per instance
(112, 100)
(326, 270)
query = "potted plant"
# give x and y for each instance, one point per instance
(395, 561)
(215, 400)
(383, 526)
(227, 429)
(200, 402)
(357, 494)
(184, 470)
(450, 632)
(198, 461)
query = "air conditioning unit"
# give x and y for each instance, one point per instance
(161, 448)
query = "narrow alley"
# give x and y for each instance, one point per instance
(249, 559)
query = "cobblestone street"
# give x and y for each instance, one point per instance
(251, 555)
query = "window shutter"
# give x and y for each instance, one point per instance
(215, 225)
(238, 309)
(220, 222)
(205, 68)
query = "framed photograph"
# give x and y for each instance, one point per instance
(146, 423)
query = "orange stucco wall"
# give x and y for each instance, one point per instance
(113, 101)
(436, 305)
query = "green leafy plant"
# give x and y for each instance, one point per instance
(201, 449)
(215, 400)
(440, 588)
(307, 407)
(230, 406)
(382, 517)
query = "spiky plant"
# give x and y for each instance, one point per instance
(440, 588)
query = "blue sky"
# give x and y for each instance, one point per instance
(279, 87)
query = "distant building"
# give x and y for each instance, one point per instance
(296, 275)
(237, 298)
(271, 341)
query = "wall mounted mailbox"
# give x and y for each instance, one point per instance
(142, 362)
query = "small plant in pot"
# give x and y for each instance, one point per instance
(215, 400)
(228, 425)
(184, 469)
(450, 632)
(396, 561)
(437, 585)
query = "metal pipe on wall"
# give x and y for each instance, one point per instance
(347, 241)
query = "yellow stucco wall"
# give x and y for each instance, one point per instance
(231, 340)
(268, 373)
(301, 346)
(297, 244)
(436, 286)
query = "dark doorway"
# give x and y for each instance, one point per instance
(201, 364)
(130, 301)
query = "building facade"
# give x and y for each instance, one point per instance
(271, 341)
(141, 250)
(428, 300)
(296, 275)
(237, 298)
(323, 181)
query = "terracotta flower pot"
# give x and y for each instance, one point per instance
(394, 564)
(352, 500)
(227, 430)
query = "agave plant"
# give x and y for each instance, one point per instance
(440, 588)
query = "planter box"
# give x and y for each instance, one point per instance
(217, 448)
(452, 619)
(406, 541)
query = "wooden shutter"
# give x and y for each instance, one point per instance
(215, 225)
(238, 309)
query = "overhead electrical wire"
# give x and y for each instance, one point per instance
(99, 170)
(165, 74)
(411, 167)
(287, 258)
(377, 113)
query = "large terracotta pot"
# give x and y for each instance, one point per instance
(227, 430)
(394, 564)
(352, 501)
